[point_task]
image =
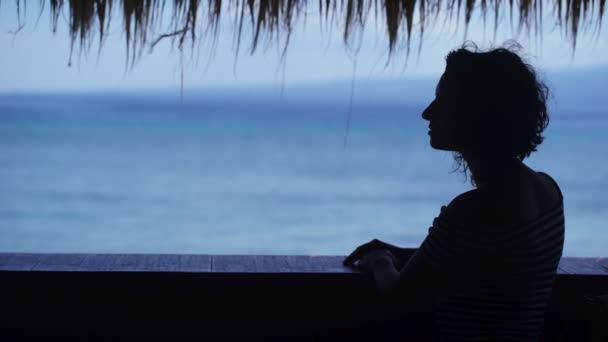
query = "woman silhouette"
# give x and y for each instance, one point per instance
(486, 268)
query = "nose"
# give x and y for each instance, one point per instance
(426, 114)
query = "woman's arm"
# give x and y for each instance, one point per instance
(401, 255)
(386, 275)
(415, 285)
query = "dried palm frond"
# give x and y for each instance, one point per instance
(270, 18)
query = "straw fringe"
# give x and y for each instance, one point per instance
(270, 18)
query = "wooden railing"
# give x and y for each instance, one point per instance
(222, 297)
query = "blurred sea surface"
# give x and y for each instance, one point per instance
(144, 173)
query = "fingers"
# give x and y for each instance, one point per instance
(368, 260)
(361, 250)
(355, 255)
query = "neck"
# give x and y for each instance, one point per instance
(486, 172)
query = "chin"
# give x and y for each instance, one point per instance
(441, 145)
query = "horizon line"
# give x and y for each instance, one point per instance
(278, 86)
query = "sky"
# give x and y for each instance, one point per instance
(37, 60)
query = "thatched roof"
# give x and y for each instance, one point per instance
(272, 20)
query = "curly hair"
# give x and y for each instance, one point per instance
(505, 102)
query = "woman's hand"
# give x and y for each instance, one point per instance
(365, 248)
(372, 259)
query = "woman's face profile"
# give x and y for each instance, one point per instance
(444, 116)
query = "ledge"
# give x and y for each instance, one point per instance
(225, 298)
(172, 263)
(190, 263)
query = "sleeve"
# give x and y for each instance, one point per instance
(449, 248)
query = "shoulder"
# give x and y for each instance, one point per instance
(469, 208)
(520, 200)
(549, 191)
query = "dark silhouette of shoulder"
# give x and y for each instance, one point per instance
(468, 209)
(521, 198)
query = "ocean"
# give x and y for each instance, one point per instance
(237, 173)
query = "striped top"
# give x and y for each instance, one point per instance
(501, 279)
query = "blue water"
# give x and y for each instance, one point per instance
(236, 174)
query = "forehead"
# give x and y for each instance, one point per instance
(441, 85)
(446, 86)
